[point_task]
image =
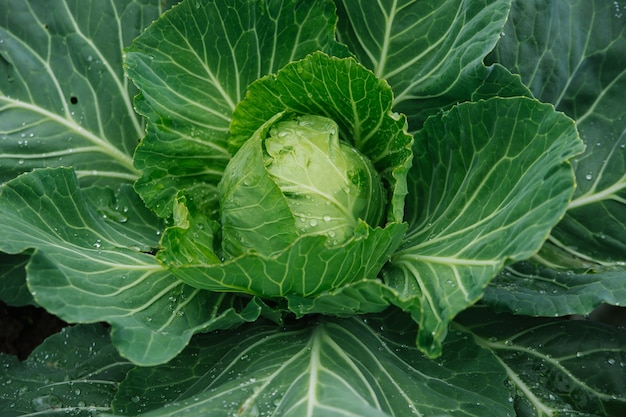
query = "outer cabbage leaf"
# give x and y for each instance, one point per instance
(64, 98)
(584, 76)
(360, 104)
(532, 289)
(555, 367)
(431, 52)
(215, 49)
(486, 194)
(91, 266)
(327, 368)
(75, 372)
(573, 54)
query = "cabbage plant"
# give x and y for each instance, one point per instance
(321, 207)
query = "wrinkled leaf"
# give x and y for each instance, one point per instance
(215, 49)
(64, 99)
(365, 296)
(75, 372)
(88, 267)
(573, 54)
(555, 366)
(306, 267)
(326, 368)
(485, 194)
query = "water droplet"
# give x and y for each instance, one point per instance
(326, 218)
(589, 176)
(46, 402)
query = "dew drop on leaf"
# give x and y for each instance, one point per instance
(46, 402)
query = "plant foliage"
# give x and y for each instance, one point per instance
(130, 139)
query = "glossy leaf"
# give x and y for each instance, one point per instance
(532, 289)
(430, 52)
(90, 267)
(76, 373)
(326, 368)
(485, 194)
(555, 366)
(573, 54)
(64, 98)
(215, 49)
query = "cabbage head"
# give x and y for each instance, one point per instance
(318, 184)
(312, 199)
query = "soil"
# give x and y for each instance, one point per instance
(22, 329)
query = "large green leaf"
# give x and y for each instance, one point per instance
(90, 265)
(193, 66)
(430, 52)
(555, 366)
(573, 54)
(322, 368)
(75, 373)
(484, 194)
(531, 288)
(64, 99)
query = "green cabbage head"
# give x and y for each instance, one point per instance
(319, 185)
(312, 200)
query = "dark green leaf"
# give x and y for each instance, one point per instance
(430, 52)
(555, 366)
(76, 373)
(484, 194)
(13, 289)
(64, 99)
(89, 267)
(532, 289)
(366, 296)
(193, 66)
(328, 368)
(573, 54)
